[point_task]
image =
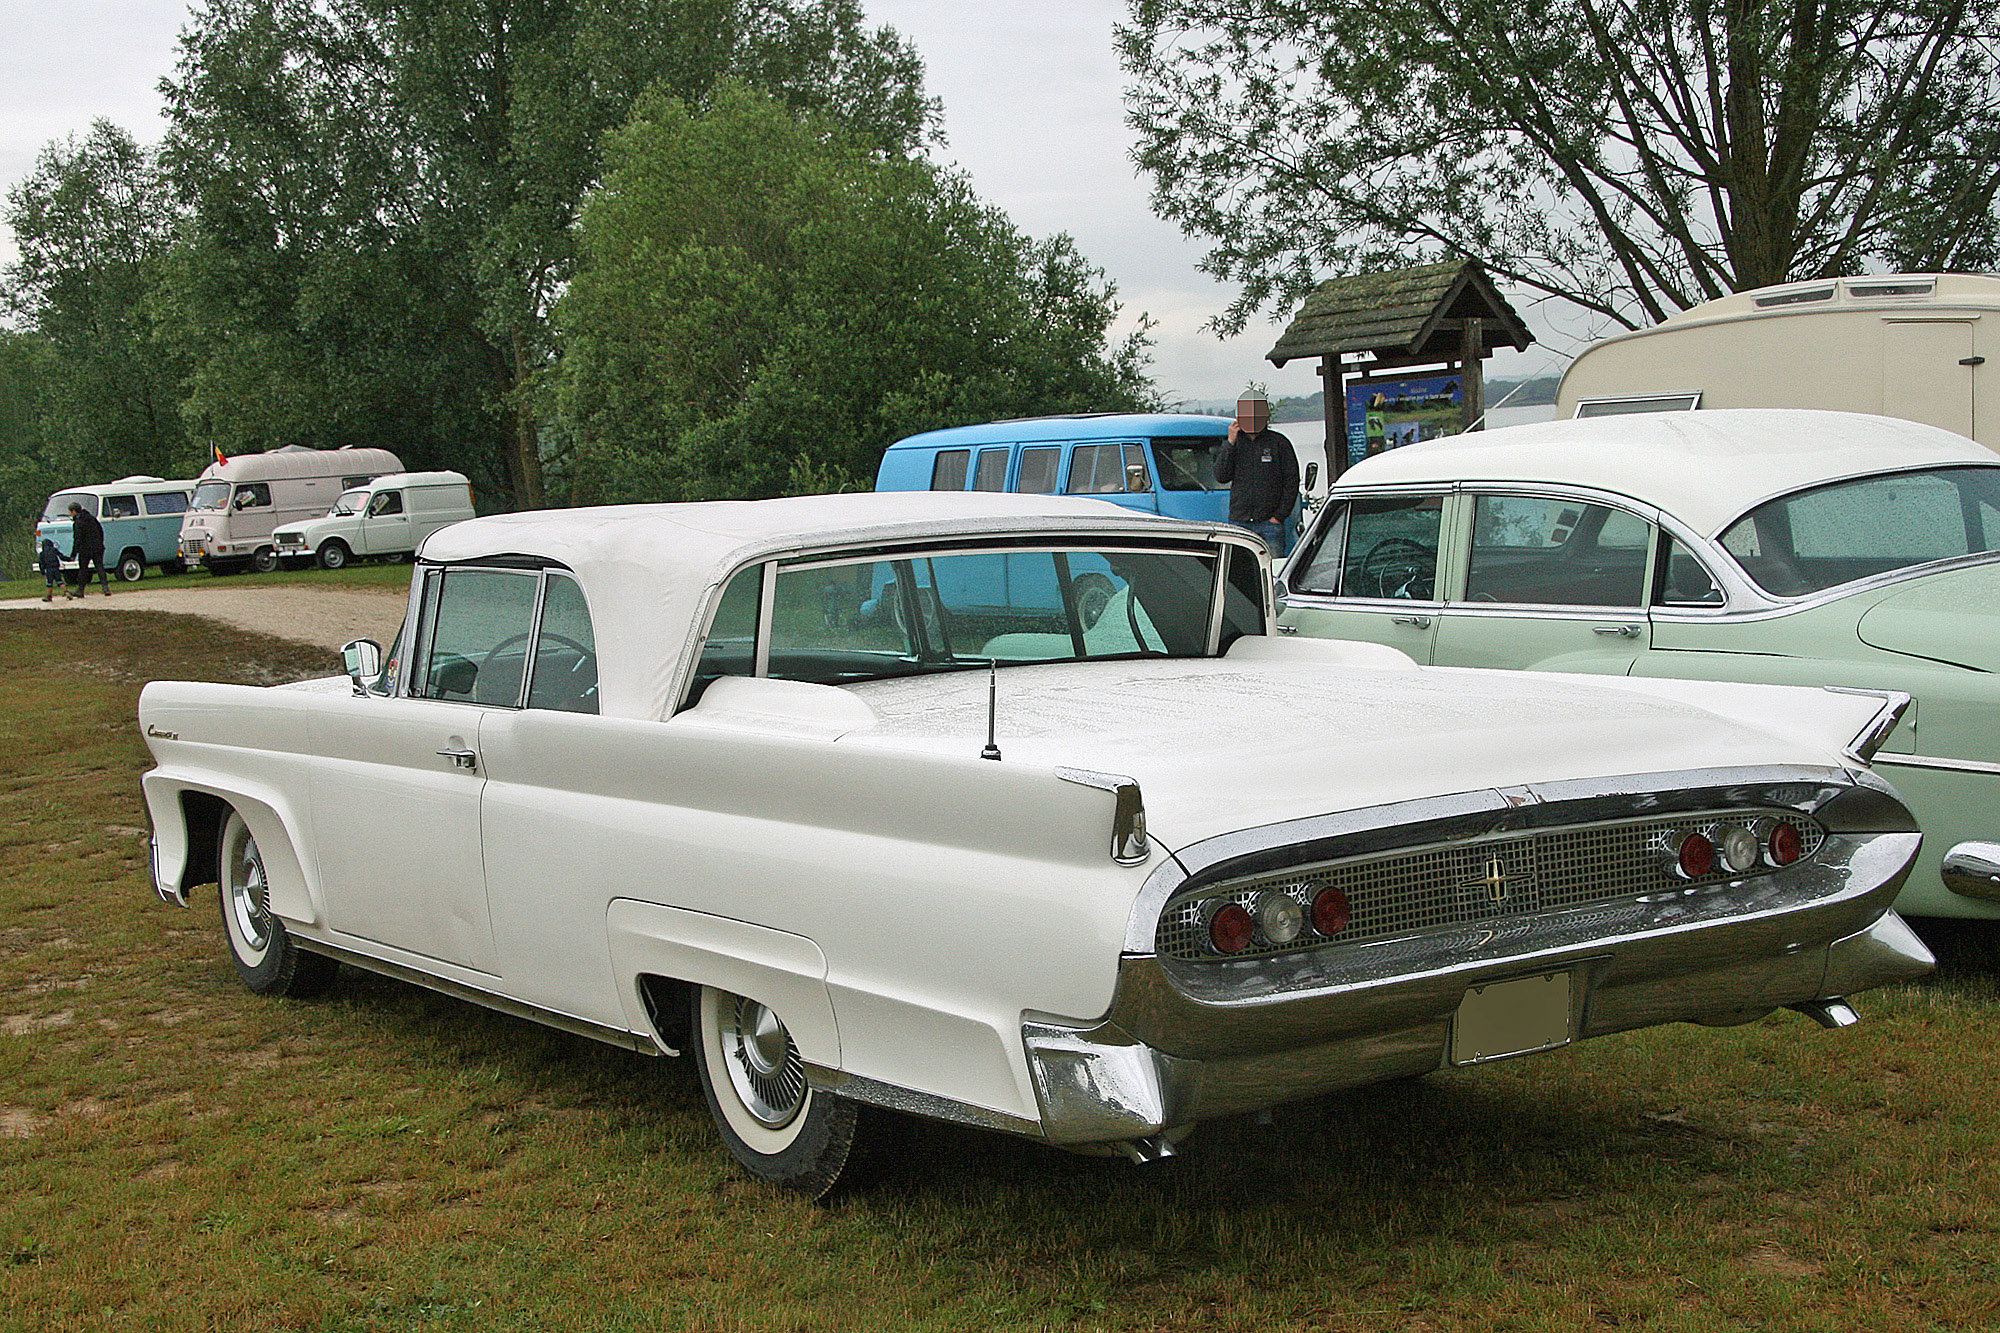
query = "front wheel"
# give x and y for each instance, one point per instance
(778, 1126)
(264, 560)
(333, 553)
(267, 959)
(131, 567)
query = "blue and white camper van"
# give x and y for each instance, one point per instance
(141, 518)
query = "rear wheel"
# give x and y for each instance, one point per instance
(333, 553)
(132, 566)
(267, 959)
(777, 1125)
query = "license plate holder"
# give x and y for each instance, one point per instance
(1519, 1016)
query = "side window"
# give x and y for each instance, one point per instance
(731, 646)
(1544, 551)
(1683, 579)
(1038, 471)
(1382, 547)
(120, 506)
(1099, 469)
(565, 676)
(1242, 598)
(167, 502)
(253, 495)
(948, 472)
(386, 502)
(477, 649)
(992, 473)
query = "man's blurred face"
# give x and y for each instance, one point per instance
(1252, 414)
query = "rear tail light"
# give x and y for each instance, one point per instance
(1786, 845)
(1739, 847)
(1230, 928)
(1331, 911)
(1280, 917)
(1696, 857)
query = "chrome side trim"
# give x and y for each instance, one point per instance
(1129, 844)
(1934, 761)
(911, 1102)
(1871, 737)
(1972, 870)
(505, 1004)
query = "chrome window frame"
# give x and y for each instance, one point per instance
(430, 579)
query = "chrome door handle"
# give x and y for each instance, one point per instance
(461, 758)
(1622, 631)
(1414, 622)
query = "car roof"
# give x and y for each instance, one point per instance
(647, 571)
(1087, 426)
(1705, 468)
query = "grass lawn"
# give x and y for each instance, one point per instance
(394, 574)
(176, 1153)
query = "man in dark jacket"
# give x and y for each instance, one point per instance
(88, 545)
(1262, 472)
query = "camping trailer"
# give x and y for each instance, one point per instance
(1909, 345)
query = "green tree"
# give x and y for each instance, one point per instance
(91, 222)
(765, 301)
(1631, 156)
(384, 196)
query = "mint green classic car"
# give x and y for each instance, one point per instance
(1775, 546)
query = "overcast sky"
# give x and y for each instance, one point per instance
(1033, 111)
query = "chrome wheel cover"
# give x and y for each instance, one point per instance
(249, 908)
(764, 1063)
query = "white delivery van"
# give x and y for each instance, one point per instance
(390, 516)
(237, 503)
(1910, 345)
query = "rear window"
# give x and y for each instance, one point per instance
(1829, 535)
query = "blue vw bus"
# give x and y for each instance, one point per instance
(1162, 463)
(141, 518)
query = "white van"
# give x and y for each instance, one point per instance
(390, 516)
(237, 503)
(1909, 345)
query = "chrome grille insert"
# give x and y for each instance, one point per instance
(1454, 884)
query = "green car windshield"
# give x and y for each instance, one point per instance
(1816, 539)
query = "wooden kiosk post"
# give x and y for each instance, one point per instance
(1447, 317)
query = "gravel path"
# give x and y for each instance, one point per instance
(327, 617)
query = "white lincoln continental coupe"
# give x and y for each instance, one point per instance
(1010, 811)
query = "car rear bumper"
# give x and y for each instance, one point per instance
(1105, 1085)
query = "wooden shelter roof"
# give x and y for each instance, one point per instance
(1408, 316)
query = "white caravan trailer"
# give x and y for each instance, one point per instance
(1910, 345)
(237, 503)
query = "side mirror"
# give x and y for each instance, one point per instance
(363, 659)
(1136, 480)
(1312, 475)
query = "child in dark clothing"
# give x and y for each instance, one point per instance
(50, 561)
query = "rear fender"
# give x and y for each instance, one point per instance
(187, 816)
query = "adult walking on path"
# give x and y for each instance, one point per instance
(1262, 471)
(87, 545)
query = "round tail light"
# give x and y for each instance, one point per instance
(1740, 851)
(1230, 929)
(1696, 857)
(1786, 845)
(1331, 911)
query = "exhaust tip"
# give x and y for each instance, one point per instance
(1830, 1013)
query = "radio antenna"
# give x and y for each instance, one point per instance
(991, 751)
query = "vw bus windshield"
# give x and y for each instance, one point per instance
(1187, 463)
(57, 509)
